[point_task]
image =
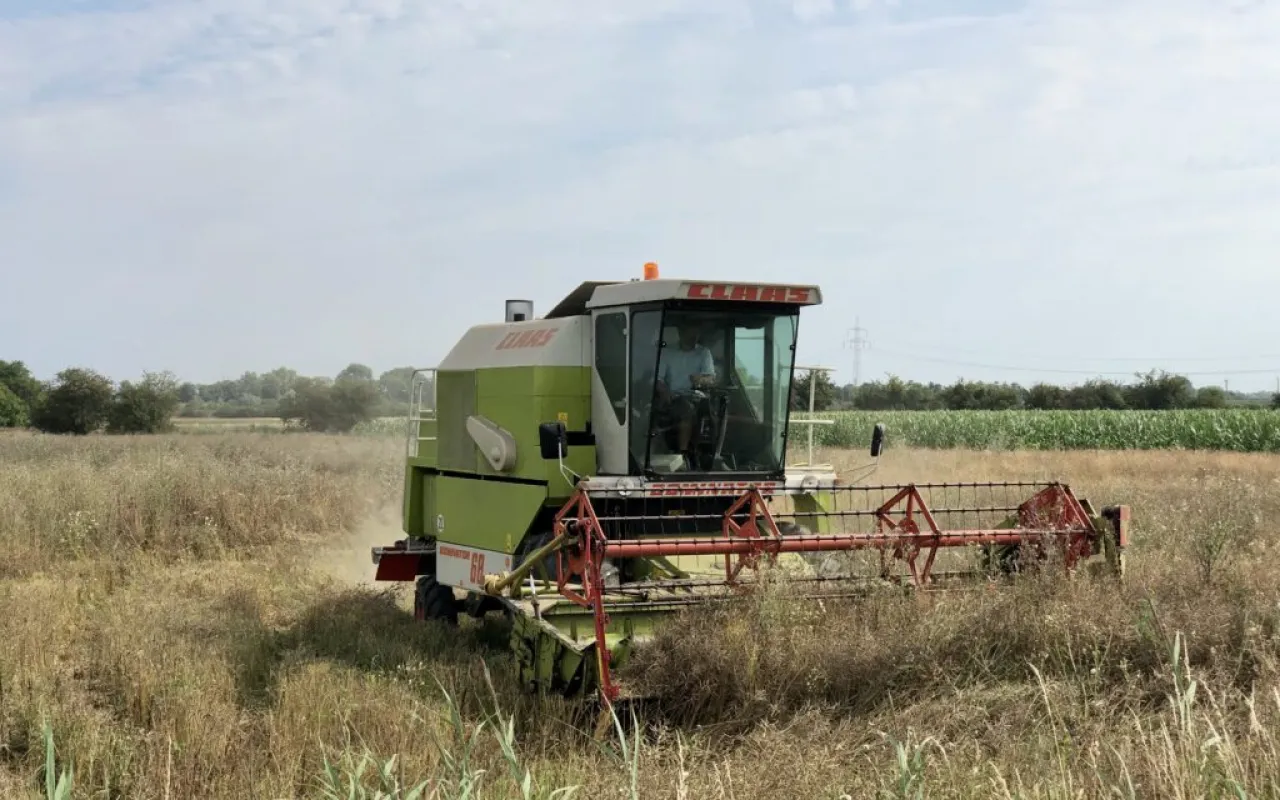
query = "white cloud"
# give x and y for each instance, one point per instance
(311, 182)
(812, 10)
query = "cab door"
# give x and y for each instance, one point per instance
(609, 381)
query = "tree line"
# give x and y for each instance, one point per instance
(1154, 390)
(82, 401)
(256, 394)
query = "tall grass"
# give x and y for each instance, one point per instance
(180, 497)
(171, 658)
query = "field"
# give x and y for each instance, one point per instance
(1246, 430)
(378, 426)
(1240, 430)
(227, 424)
(187, 615)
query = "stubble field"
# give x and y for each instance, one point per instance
(186, 615)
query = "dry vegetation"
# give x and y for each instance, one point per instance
(181, 612)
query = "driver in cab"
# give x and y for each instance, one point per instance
(684, 369)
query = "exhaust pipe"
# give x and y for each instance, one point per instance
(519, 310)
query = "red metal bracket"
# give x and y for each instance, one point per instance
(1056, 508)
(585, 556)
(907, 504)
(749, 529)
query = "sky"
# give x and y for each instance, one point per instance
(993, 189)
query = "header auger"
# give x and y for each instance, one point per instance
(590, 472)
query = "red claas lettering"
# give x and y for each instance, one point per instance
(521, 339)
(748, 293)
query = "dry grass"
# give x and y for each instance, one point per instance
(179, 610)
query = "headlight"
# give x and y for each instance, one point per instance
(627, 485)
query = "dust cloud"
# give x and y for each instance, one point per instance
(350, 560)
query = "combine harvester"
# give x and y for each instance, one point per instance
(590, 472)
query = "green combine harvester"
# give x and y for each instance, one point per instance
(623, 457)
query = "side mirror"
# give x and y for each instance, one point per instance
(877, 440)
(553, 440)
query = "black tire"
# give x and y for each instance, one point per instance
(434, 601)
(477, 605)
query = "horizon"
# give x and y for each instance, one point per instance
(379, 371)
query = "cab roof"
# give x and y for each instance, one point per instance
(600, 294)
(575, 303)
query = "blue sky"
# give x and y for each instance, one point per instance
(1062, 188)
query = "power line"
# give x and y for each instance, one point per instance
(858, 342)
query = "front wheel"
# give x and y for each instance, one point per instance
(434, 600)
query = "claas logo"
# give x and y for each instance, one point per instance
(707, 488)
(748, 293)
(520, 339)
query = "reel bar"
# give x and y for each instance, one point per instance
(643, 589)
(740, 545)
(833, 513)
(958, 506)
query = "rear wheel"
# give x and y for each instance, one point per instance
(434, 600)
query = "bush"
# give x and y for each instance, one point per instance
(144, 407)
(77, 402)
(15, 376)
(13, 412)
(824, 392)
(320, 406)
(351, 402)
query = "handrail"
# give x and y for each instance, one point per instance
(421, 409)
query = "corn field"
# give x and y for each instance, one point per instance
(1240, 430)
(1246, 430)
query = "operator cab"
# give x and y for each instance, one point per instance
(709, 389)
(692, 378)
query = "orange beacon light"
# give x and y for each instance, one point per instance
(650, 271)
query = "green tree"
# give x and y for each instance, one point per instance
(318, 405)
(351, 402)
(397, 384)
(144, 407)
(220, 392)
(976, 395)
(897, 394)
(1211, 397)
(77, 402)
(1046, 396)
(1096, 393)
(358, 372)
(306, 403)
(1159, 391)
(277, 382)
(824, 392)
(18, 379)
(13, 412)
